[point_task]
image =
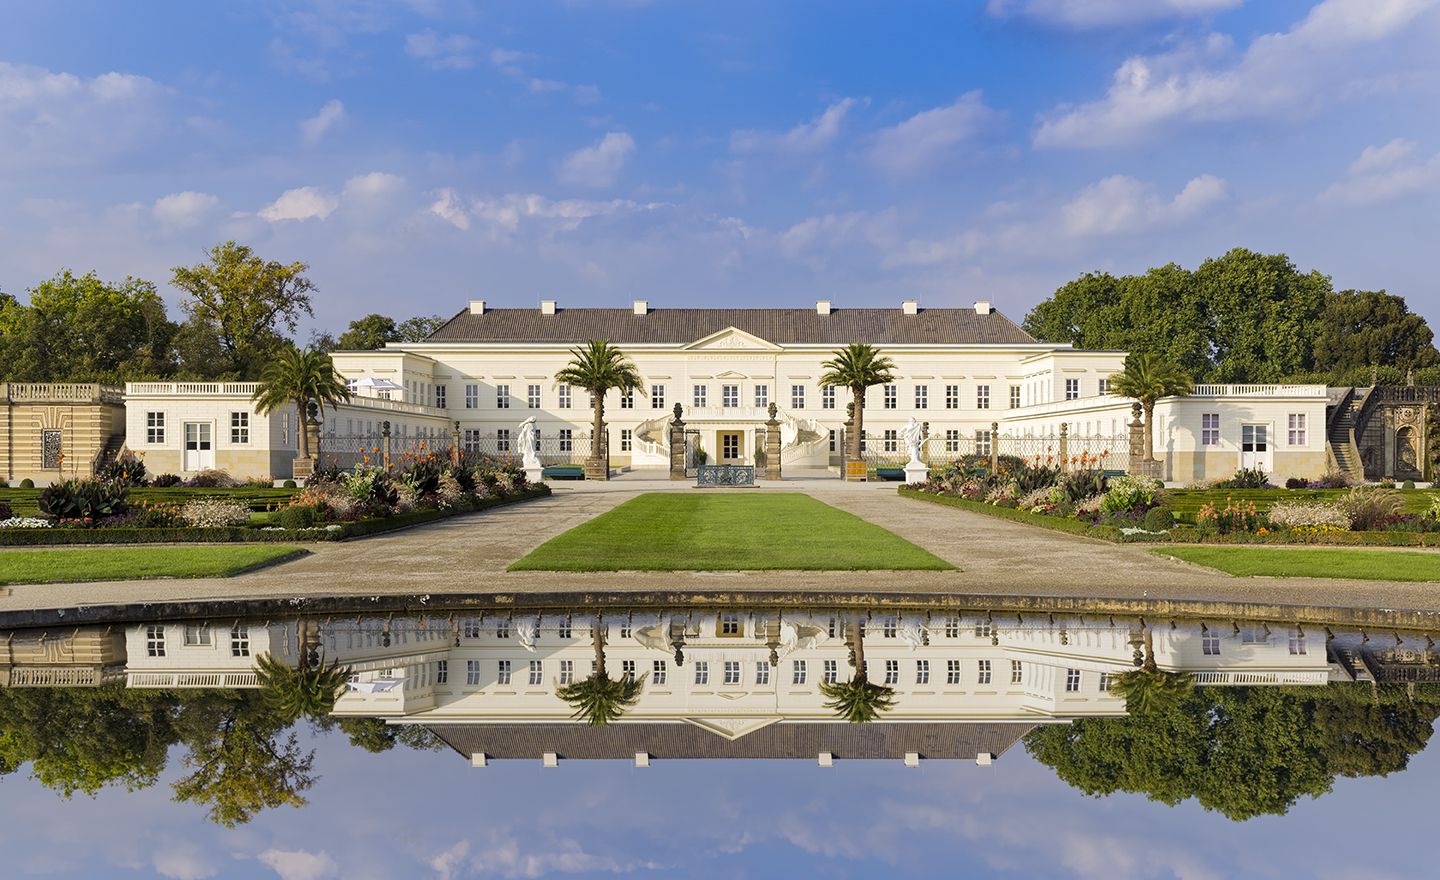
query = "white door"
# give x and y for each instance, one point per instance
(199, 450)
(1255, 447)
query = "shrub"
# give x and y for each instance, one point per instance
(1130, 492)
(290, 484)
(1245, 478)
(1409, 484)
(4, 484)
(1387, 484)
(1159, 519)
(5, 511)
(1297, 483)
(86, 499)
(209, 513)
(127, 468)
(1333, 480)
(165, 481)
(1372, 507)
(27, 483)
(297, 516)
(1300, 514)
(212, 479)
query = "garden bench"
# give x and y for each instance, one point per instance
(563, 472)
(889, 473)
(1112, 474)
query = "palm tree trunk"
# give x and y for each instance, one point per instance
(597, 450)
(1149, 405)
(861, 673)
(302, 428)
(1150, 665)
(859, 422)
(597, 635)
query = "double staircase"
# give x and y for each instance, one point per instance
(1340, 431)
(109, 452)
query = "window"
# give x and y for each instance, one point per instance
(730, 623)
(1072, 681)
(1017, 672)
(197, 633)
(502, 396)
(537, 672)
(862, 440)
(797, 396)
(922, 396)
(831, 671)
(567, 671)
(627, 439)
(240, 640)
(762, 396)
(442, 671)
(983, 676)
(729, 396)
(702, 672)
(502, 440)
(700, 394)
(625, 630)
(472, 672)
(892, 671)
(982, 396)
(1209, 429)
(827, 396)
(1297, 429)
(532, 396)
(472, 396)
(952, 627)
(892, 441)
(732, 672)
(982, 442)
(440, 397)
(1210, 644)
(239, 427)
(154, 427)
(567, 439)
(563, 397)
(762, 672)
(1297, 641)
(952, 440)
(502, 629)
(889, 627)
(627, 398)
(922, 671)
(832, 440)
(1072, 389)
(472, 440)
(1014, 396)
(627, 669)
(832, 628)
(1253, 438)
(470, 628)
(952, 671)
(1104, 682)
(504, 671)
(565, 630)
(982, 630)
(660, 673)
(892, 396)
(1104, 387)
(797, 672)
(657, 396)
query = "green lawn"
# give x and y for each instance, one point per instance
(1367, 565)
(716, 532)
(130, 563)
(1185, 502)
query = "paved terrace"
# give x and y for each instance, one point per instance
(996, 558)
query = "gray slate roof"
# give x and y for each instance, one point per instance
(781, 740)
(780, 326)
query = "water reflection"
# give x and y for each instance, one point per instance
(1274, 714)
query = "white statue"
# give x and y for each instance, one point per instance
(911, 432)
(530, 444)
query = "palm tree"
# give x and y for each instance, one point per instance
(1149, 690)
(857, 366)
(300, 376)
(600, 699)
(306, 691)
(596, 367)
(1147, 378)
(858, 700)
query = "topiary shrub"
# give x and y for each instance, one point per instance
(211, 478)
(1409, 484)
(290, 484)
(5, 511)
(1297, 483)
(4, 484)
(298, 516)
(27, 483)
(165, 481)
(1159, 519)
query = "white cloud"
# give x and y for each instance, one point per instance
(1082, 14)
(1280, 74)
(447, 864)
(1383, 174)
(1123, 204)
(184, 209)
(507, 62)
(299, 865)
(447, 206)
(184, 863)
(804, 138)
(600, 164)
(314, 128)
(300, 204)
(925, 137)
(455, 52)
(376, 184)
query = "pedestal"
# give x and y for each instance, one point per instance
(534, 475)
(916, 472)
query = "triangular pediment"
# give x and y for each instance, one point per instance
(732, 339)
(732, 728)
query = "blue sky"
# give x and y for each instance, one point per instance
(431, 816)
(420, 154)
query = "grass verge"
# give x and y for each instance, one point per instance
(704, 532)
(1366, 565)
(110, 564)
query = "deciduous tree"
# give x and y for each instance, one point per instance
(1362, 328)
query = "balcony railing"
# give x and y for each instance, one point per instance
(192, 680)
(193, 389)
(1259, 391)
(64, 392)
(1276, 678)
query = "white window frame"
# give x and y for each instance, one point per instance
(702, 672)
(1072, 681)
(537, 673)
(797, 396)
(892, 671)
(952, 396)
(1072, 389)
(155, 427)
(472, 672)
(240, 640)
(922, 396)
(532, 396)
(502, 396)
(504, 672)
(1014, 396)
(239, 428)
(762, 672)
(798, 672)
(729, 396)
(1298, 429)
(440, 397)
(699, 395)
(891, 396)
(982, 396)
(983, 674)
(627, 439)
(827, 396)
(1209, 429)
(659, 672)
(922, 671)
(657, 396)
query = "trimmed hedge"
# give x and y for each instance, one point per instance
(252, 535)
(25, 502)
(1185, 536)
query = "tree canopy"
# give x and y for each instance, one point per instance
(374, 330)
(1365, 327)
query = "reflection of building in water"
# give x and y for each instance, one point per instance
(86, 656)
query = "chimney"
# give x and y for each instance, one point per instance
(822, 307)
(641, 307)
(477, 306)
(982, 308)
(912, 307)
(547, 306)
